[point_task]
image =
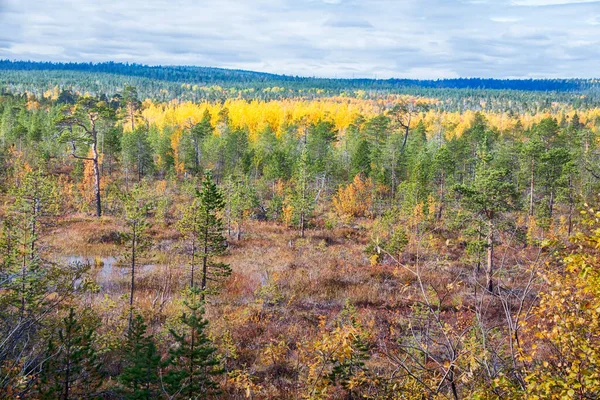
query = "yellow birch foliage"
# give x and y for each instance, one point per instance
(356, 199)
(242, 381)
(564, 358)
(331, 347)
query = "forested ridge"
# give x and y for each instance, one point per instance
(207, 75)
(176, 241)
(216, 84)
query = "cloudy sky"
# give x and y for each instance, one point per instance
(329, 38)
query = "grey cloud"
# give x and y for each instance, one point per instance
(343, 38)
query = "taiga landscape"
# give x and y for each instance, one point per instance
(338, 207)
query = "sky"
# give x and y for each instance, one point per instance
(420, 39)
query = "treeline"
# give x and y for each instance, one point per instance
(206, 75)
(199, 83)
(509, 314)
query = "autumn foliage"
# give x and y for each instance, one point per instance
(356, 199)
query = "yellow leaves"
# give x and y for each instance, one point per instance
(257, 115)
(356, 199)
(161, 187)
(374, 260)
(242, 380)
(566, 325)
(275, 352)
(287, 214)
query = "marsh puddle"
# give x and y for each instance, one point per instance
(109, 272)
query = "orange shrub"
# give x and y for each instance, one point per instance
(356, 199)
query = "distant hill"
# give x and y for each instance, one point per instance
(237, 78)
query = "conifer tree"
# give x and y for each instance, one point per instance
(360, 162)
(72, 369)
(35, 199)
(80, 125)
(444, 165)
(136, 208)
(241, 200)
(201, 224)
(30, 287)
(140, 376)
(301, 197)
(192, 365)
(137, 152)
(196, 134)
(490, 195)
(111, 146)
(130, 105)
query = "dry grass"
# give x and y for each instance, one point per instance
(281, 287)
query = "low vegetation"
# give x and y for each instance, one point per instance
(381, 247)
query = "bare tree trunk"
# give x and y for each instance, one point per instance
(197, 155)
(192, 262)
(132, 276)
(205, 259)
(453, 383)
(490, 257)
(95, 160)
(532, 183)
(406, 129)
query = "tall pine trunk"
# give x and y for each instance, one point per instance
(97, 179)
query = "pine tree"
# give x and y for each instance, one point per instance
(140, 376)
(35, 199)
(192, 364)
(136, 207)
(491, 194)
(360, 162)
(137, 152)
(201, 224)
(241, 200)
(111, 146)
(301, 197)
(80, 125)
(130, 105)
(195, 136)
(72, 369)
(31, 288)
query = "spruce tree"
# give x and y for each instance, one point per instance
(72, 369)
(140, 379)
(192, 363)
(201, 224)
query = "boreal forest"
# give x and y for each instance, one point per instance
(191, 233)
